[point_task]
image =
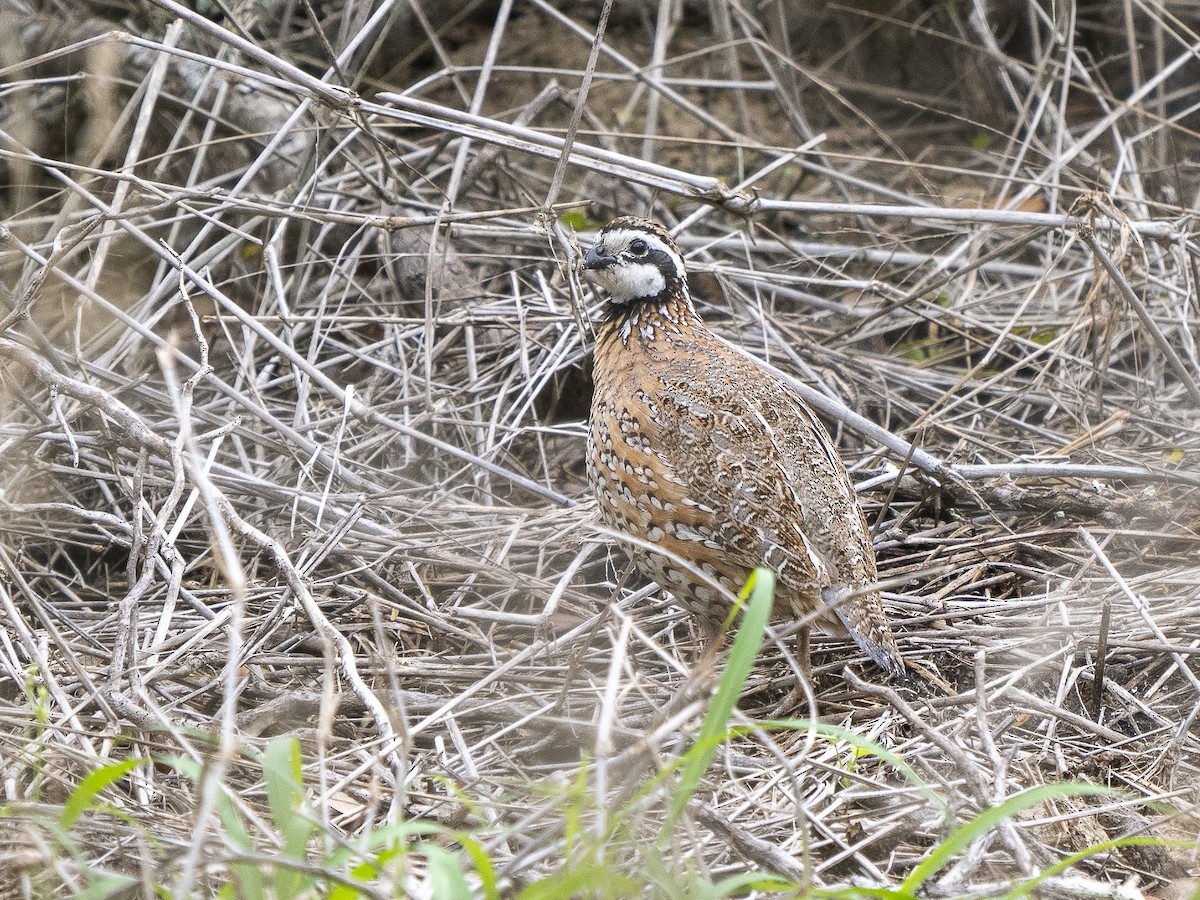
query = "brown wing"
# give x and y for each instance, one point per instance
(751, 451)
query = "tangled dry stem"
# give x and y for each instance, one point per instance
(294, 386)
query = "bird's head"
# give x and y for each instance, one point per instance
(635, 260)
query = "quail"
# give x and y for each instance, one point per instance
(713, 464)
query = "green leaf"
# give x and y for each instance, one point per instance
(230, 819)
(249, 881)
(184, 765)
(738, 885)
(284, 778)
(578, 220)
(483, 866)
(919, 349)
(107, 885)
(283, 775)
(399, 834)
(97, 780)
(1044, 336)
(584, 880)
(446, 879)
(232, 823)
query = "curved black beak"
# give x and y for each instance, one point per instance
(597, 258)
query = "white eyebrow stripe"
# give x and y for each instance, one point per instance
(618, 241)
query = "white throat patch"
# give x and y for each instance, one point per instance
(632, 281)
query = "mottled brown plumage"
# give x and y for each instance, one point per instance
(708, 458)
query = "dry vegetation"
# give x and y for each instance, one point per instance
(293, 381)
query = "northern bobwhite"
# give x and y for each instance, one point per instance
(694, 449)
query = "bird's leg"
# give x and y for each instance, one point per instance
(802, 689)
(802, 653)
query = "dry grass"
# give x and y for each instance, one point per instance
(294, 383)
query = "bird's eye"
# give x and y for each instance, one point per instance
(638, 247)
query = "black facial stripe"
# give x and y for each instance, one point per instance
(662, 261)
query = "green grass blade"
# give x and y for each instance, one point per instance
(107, 885)
(588, 880)
(284, 778)
(1025, 888)
(738, 885)
(483, 866)
(834, 733)
(760, 588)
(989, 819)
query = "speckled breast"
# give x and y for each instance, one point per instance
(640, 495)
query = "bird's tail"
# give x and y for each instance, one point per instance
(867, 627)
